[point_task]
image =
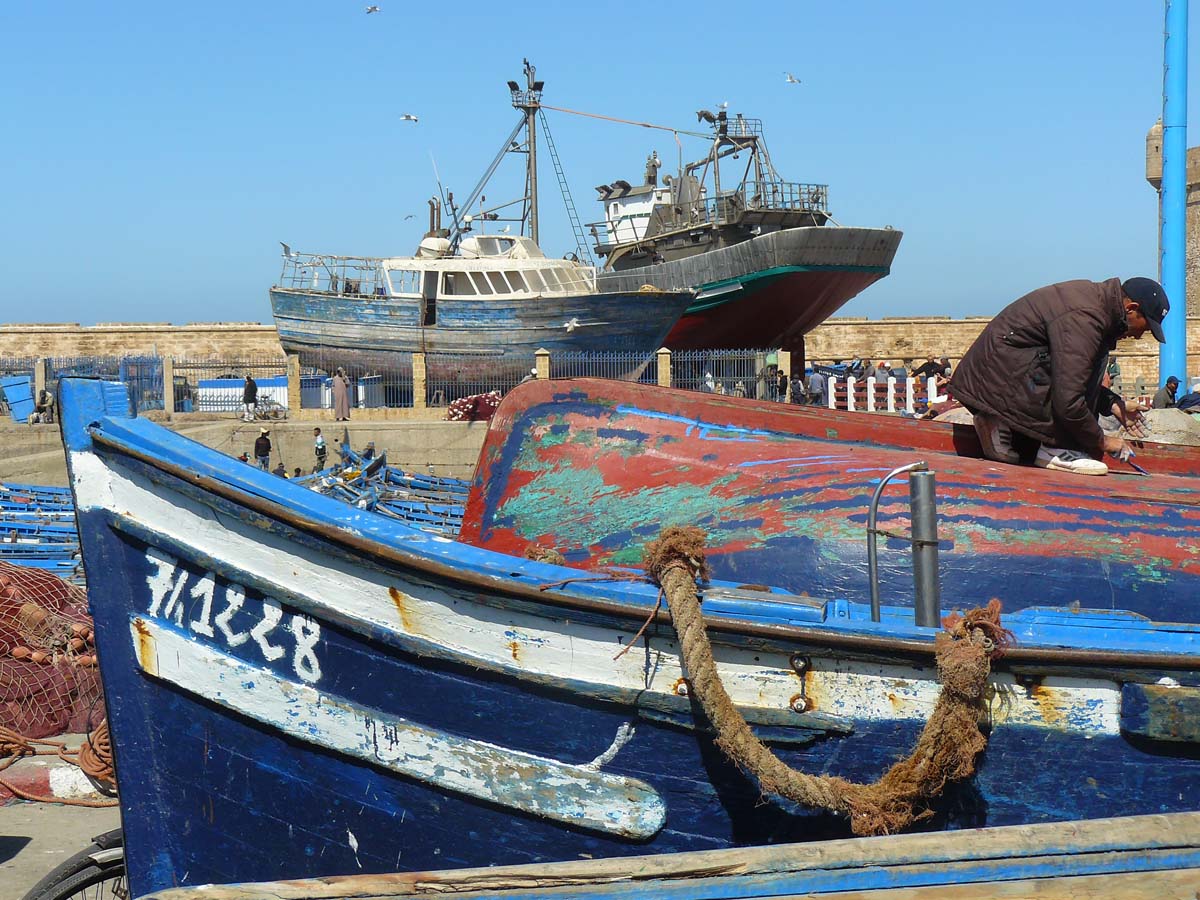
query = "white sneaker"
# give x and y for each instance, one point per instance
(995, 437)
(1069, 461)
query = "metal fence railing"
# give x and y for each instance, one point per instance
(216, 385)
(627, 365)
(143, 375)
(17, 365)
(86, 366)
(449, 376)
(378, 381)
(740, 373)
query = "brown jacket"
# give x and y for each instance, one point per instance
(1038, 364)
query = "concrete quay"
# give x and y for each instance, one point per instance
(34, 453)
(36, 837)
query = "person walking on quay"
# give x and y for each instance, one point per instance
(1033, 376)
(341, 396)
(782, 386)
(799, 395)
(262, 450)
(320, 451)
(816, 388)
(249, 398)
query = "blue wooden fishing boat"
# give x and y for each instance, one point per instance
(429, 502)
(299, 688)
(37, 529)
(1139, 857)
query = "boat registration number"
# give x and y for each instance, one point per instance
(223, 613)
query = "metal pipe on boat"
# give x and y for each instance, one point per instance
(872, 515)
(922, 492)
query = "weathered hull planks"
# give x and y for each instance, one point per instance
(595, 469)
(503, 333)
(1139, 857)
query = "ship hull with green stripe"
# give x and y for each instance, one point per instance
(769, 290)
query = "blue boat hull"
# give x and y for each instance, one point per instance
(367, 331)
(212, 797)
(266, 651)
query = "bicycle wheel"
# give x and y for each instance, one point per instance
(96, 873)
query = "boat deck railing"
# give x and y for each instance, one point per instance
(350, 276)
(782, 196)
(740, 126)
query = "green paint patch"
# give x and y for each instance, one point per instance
(585, 511)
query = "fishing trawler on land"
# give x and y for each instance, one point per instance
(764, 255)
(496, 298)
(758, 264)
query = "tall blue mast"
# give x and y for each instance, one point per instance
(1173, 354)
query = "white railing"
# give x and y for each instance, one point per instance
(880, 394)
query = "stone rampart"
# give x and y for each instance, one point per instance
(893, 339)
(911, 338)
(196, 340)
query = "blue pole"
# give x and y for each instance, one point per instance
(1172, 358)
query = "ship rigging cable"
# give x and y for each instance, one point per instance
(674, 131)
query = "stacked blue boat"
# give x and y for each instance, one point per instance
(37, 529)
(430, 502)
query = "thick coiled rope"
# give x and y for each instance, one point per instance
(945, 750)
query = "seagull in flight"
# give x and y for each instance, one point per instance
(408, 117)
(372, 9)
(409, 216)
(790, 78)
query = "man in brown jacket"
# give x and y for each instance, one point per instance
(1036, 369)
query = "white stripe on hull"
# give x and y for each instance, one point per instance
(578, 795)
(536, 647)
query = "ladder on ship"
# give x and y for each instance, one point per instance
(581, 245)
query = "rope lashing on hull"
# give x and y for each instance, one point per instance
(538, 553)
(944, 752)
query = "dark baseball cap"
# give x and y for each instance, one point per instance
(1152, 300)
(1172, 380)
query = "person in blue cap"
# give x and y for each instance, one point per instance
(1032, 377)
(1165, 398)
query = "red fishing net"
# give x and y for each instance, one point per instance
(475, 408)
(49, 683)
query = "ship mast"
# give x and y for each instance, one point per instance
(529, 101)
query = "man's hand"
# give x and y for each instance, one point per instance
(1136, 423)
(1117, 447)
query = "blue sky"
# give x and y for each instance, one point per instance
(155, 153)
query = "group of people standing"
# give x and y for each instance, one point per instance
(263, 448)
(339, 386)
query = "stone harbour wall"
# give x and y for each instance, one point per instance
(196, 340)
(892, 339)
(912, 338)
